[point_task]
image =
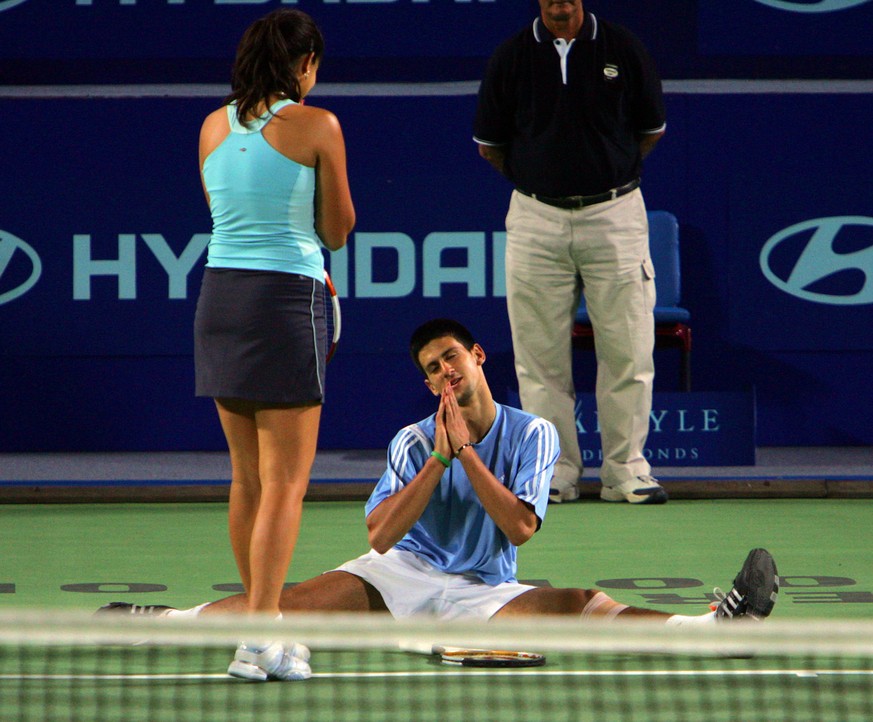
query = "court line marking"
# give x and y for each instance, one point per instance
(224, 483)
(800, 673)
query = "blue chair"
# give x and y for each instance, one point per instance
(671, 320)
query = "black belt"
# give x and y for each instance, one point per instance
(575, 202)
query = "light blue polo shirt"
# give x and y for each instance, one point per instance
(455, 533)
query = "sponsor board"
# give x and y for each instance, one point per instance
(685, 429)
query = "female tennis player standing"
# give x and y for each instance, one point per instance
(274, 174)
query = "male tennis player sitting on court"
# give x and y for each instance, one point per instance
(463, 489)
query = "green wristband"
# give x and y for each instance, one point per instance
(442, 459)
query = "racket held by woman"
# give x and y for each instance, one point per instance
(333, 316)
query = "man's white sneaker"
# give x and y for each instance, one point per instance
(641, 490)
(273, 660)
(559, 493)
(133, 610)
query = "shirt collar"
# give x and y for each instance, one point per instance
(589, 29)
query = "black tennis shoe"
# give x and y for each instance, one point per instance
(755, 589)
(136, 610)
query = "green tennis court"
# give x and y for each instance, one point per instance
(81, 556)
(77, 557)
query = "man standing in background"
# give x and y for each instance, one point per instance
(568, 109)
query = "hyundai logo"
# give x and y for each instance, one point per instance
(809, 261)
(17, 257)
(820, 6)
(6, 4)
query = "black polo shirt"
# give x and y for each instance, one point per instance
(572, 130)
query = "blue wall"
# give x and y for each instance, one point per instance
(772, 191)
(148, 41)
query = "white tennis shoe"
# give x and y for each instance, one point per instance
(270, 661)
(561, 492)
(641, 490)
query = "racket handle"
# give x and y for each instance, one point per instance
(416, 646)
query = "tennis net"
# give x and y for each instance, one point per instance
(63, 666)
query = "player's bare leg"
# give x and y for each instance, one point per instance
(753, 595)
(584, 603)
(329, 592)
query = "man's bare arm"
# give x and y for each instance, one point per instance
(648, 142)
(495, 155)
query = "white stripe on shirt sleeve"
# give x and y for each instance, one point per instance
(408, 438)
(546, 440)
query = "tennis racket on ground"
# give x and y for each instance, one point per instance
(464, 657)
(333, 316)
(490, 658)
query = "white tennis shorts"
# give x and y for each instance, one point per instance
(411, 586)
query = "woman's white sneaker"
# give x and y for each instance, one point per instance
(270, 661)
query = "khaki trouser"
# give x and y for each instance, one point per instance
(552, 256)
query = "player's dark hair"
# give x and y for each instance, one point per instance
(434, 329)
(267, 55)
